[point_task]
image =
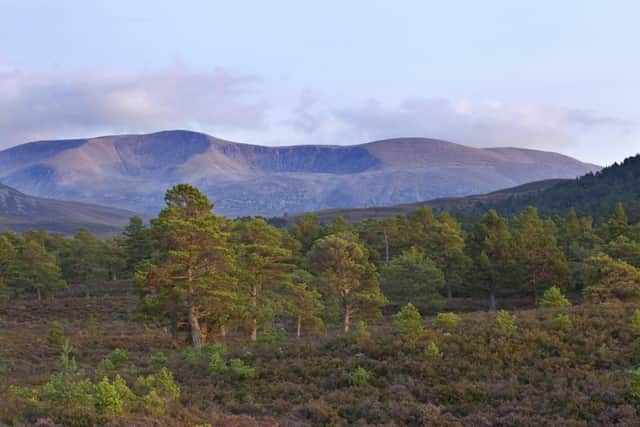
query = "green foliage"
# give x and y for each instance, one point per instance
(359, 377)
(192, 268)
(413, 278)
(635, 321)
(506, 321)
(610, 279)
(217, 364)
(433, 352)
(107, 399)
(158, 391)
(346, 275)
(361, 331)
(634, 384)
(240, 369)
(562, 322)
(448, 320)
(408, 323)
(55, 337)
(553, 297)
(118, 357)
(158, 358)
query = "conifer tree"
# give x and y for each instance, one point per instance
(264, 263)
(342, 267)
(193, 260)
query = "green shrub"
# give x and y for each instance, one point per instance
(118, 357)
(634, 385)
(562, 322)
(239, 368)
(55, 337)
(158, 391)
(217, 364)
(506, 321)
(447, 320)
(432, 351)
(359, 377)
(158, 358)
(635, 321)
(408, 323)
(106, 399)
(553, 297)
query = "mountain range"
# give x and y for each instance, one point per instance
(133, 171)
(20, 212)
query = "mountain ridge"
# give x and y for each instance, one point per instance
(132, 171)
(21, 212)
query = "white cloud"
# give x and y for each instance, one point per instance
(64, 104)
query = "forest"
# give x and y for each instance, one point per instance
(195, 319)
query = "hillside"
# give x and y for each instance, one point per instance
(20, 212)
(133, 171)
(468, 205)
(592, 194)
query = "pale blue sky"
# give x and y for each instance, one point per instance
(555, 75)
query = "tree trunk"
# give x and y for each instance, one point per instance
(299, 328)
(223, 331)
(492, 300)
(386, 246)
(39, 294)
(174, 328)
(194, 325)
(449, 292)
(254, 303)
(114, 276)
(348, 311)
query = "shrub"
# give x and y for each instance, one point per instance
(158, 358)
(506, 321)
(239, 368)
(408, 323)
(635, 321)
(447, 320)
(634, 384)
(562, 322)
(553, 297)
(158, 391)
(359, 377)
(433, 351)
(55, 338)
(106, 399)
(217, 364)
(118, 357)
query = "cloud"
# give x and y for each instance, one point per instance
(40, 105)
(477, 123)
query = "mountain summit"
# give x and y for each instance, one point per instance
(133, 171)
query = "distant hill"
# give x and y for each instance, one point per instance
(469, 206)
(20, 212)
(594, 194)
(133, 171)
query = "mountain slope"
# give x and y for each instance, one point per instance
(133, 171)
(592, 195)
(20, 212)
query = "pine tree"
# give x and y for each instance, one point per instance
(36, 270)
(413, 278)
(264, 263)
(307, 231)
(342, 267)
(492, 249)
(607, 279)
(193, 260)
(544, 263)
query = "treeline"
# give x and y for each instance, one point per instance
(213, 275)
(594, 194)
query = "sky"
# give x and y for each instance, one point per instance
(553, 75)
